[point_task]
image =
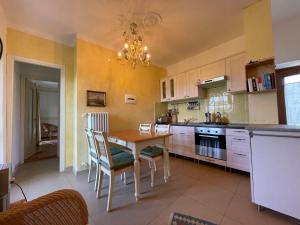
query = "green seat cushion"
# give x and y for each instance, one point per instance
(115, 150)
(120, 161)
(93, 154)
(152, 151)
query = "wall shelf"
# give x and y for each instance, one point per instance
(257, 71)
(263, 91)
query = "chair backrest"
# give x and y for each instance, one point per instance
(91, 141)
(65, 207)
(102, 147)
(145, 127)
(162, 128)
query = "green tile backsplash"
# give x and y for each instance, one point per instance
(233, 107)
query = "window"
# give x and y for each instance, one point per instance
(288, 95)
(292, 99)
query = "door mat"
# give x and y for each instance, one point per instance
(181, 219)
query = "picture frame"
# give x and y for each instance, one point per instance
(96, 98)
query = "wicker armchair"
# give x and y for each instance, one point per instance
(64, 207)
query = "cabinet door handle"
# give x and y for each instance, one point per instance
(239, 139)
(181, 133)
(209, 136)
(239, 154)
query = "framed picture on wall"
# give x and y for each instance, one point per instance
(96, 98)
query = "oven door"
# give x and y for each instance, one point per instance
(213, 146)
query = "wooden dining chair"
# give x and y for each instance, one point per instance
(111, 165)
(145, 127)
(157, 152)
(93, 157)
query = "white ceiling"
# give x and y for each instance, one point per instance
(188, 26)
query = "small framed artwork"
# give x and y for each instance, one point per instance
(96, 98)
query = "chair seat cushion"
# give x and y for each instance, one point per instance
(115, 150)
(152, 151)
(93, 154)
(120, 161)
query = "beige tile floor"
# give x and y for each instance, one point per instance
(203, 191)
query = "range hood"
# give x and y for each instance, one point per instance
(214, 82)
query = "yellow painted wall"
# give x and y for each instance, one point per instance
(259, 45)
(258, 30)
(32, 47)
(97, 69)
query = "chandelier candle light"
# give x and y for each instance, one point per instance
(133, 50)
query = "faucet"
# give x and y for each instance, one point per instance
(187, 121)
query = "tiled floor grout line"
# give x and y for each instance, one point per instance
(166, 208)
(234, 194)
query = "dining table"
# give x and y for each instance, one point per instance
(136, 141)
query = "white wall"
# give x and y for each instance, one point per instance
(286, 40)
(2, 87)
(16, 122)
(49, 106)
(222, 51)
(36, 72)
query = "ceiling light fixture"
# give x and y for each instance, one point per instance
(133, 50)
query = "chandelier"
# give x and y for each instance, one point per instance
(133, 50)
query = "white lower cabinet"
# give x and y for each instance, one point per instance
(275, 167)
(238, 149)
(183, 141)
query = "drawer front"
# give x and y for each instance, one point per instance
(177, 129)
(184, 140)
(238, 161)
(237, 132)
(238, 143)
(183, 150)
(182, 130)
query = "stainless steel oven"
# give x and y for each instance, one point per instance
(211, 142)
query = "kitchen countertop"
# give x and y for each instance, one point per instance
(230, 125)
(250, 127)
(273, 127)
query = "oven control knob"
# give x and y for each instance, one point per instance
(216, 132)
(208, 131)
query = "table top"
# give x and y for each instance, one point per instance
(136, 135)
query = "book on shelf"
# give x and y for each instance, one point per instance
(250, 85)
(264, 82)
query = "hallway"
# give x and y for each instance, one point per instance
(46, 150)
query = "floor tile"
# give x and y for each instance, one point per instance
(210, 195)
(200, 190)
(242, 210)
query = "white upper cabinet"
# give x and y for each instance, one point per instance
(181, 86)
(213, 70)
(167, 89)
(193, 78)
(184, 85)
(235, 70)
